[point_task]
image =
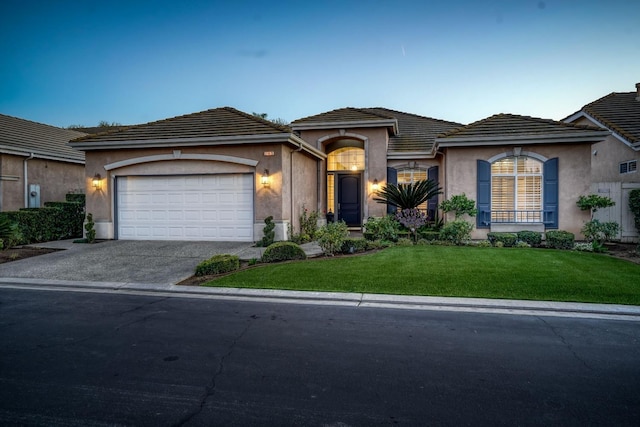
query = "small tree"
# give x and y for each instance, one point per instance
(89, 228)
(268, 232)
(460, 205)
(412, 219)
(593, 202)
(595, 231)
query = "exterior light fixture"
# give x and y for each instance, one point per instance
(354, 167)
(265, 178)
(96, 181)
(375, 185)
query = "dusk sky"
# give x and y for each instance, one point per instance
(79, 62)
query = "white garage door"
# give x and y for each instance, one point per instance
(186, 207)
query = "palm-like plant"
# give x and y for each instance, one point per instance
(408, 196)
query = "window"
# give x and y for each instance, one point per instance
(516, 190)
(411, 175)
(628, 167)
(346, 159)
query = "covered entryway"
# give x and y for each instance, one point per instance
(185, 207)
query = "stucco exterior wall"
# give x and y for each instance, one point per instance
(375, 143)
(606, 157)
(56, 179)
(573, 170)
(273, 199)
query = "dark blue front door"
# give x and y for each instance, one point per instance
(349, 190)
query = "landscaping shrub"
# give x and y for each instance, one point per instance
(89, 229)
(457, 232)
(508, 239)
(353, 245)
(283, 251)
(385, 228)
(403, 241)
(412, 220)
(634, 206)
(428, 234)
(331, 236)
(76, 198)
(460, 204)
(8, 233)
(267, 232)
(217, 264)
(600, 232)
(71, 217)
(521, 244)
(559, 239)
(533, 238)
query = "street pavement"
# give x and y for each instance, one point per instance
(97, 359)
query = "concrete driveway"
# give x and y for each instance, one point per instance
(160, 262)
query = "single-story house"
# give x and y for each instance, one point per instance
(217, 174)
(615, 160)
(36, 164)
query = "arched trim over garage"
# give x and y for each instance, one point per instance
(177, 155)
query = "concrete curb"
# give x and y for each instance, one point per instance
(360, 300)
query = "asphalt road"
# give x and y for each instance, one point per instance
(96, 359)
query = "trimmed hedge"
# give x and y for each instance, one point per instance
(508, 240)
(217, 264)
(353, 245)
(558, 239)
(533, 238)
(283, 251)
(71, 218)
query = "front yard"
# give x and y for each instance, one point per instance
(461, 271)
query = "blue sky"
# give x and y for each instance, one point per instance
(80, 62)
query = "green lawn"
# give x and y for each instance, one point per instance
(514, 273)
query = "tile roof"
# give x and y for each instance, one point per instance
(341, 115)
(413, 133)
(501, 126)
(620, 113)
(218, 122)
(45, 141)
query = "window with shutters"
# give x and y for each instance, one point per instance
(516, 190)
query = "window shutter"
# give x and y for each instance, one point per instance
(432, 203)
(550, 202)
(392, 178)
(484, 194)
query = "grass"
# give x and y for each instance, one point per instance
(513, 273)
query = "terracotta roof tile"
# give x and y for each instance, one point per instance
(28, 137)
(218, 122)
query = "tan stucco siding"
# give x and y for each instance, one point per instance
(55, 179)
(375, 141)
(574, 170)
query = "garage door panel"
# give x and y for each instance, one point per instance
(205, 207)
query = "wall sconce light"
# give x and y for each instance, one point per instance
(96, 181)
(375, 185)
(265, 178)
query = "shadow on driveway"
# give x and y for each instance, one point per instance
(123, 261)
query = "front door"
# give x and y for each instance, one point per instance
(349, 199)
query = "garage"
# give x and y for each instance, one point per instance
(185, 207)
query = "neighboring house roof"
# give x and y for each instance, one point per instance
(618, 112)
(410, 135)
(25, 138)
(99, 129)
(217, 126)
(503, 129)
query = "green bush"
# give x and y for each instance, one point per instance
(484, 244)
(217, 264)
(354, 245)
(457, 232)
(76, 198)
(90, 230)
(559, 239)
(508, 239)
(385, 228)
(533, 238)
(267, 232)
(428, 234)
(71, 217)
(331, 237)
(460, 204)
(404, 241)
(283, 251)
(9, 234)
(634, 206)
(600, 232)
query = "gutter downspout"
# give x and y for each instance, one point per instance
(26, 180)
(291, 180)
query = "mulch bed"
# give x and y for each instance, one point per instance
(15, 254)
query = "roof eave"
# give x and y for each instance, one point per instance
(583, 114)
(40, 155)
(400, 155)
(572, 138)
(289, 138)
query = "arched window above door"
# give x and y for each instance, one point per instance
(346, 159)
